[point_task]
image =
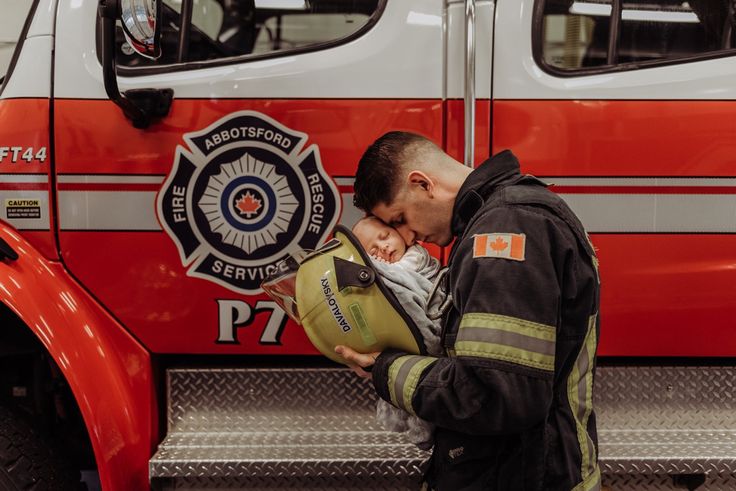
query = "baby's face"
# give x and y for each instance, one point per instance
(379, 239)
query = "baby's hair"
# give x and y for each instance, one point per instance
(363, 219)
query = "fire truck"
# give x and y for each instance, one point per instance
(159, 157)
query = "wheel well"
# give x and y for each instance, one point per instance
(32, 384)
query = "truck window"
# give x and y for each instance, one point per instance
(223, 31)
(573, 37)
(595, 35)
(671, 29)
(14, 13)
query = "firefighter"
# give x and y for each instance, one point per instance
(512, 398)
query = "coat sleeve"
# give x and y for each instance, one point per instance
(499, 375)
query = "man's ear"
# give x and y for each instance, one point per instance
(418, 180)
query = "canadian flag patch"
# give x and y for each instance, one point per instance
(504, 246)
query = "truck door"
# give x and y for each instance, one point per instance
(26, 46)
(173, 227)
(628, 108)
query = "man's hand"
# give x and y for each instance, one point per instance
(357, 361)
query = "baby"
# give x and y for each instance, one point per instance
(384, 243)
(410, 273)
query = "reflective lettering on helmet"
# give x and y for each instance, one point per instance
(334, 307)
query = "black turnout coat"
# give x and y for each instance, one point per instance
(512, 400)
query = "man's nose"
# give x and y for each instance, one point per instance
(407, 234)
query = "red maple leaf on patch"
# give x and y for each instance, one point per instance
(499, 244)
(248, 204)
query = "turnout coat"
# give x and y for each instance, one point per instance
(512, 398)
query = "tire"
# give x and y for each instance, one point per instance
(27, 462)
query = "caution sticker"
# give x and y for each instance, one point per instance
(23, 208)
(504, 246)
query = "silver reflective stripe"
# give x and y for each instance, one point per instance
(693, 182)
(508, 338)
(107, 210)
(654, 213)
(108, 202)
(609, 204)
(109, 179)
(24, 178)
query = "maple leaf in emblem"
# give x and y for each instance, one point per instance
(248, 204)
(499, 244)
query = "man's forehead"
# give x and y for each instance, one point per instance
(387, 213)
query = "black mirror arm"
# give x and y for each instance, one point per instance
(142, 105)
(108, 11)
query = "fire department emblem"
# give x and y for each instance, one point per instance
(242, 196)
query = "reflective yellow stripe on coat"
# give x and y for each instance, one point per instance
(508, 339)
(403, 378)
(580, 397)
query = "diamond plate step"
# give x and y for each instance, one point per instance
(274, 428)
(667, 420)
(315, 429)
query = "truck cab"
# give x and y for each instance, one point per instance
(144, 197)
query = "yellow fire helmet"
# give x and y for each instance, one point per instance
(339, 299)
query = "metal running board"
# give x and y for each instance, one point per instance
(279, 428)
(660, 421)
(316, 429)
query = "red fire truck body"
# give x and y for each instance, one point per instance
(120, 263)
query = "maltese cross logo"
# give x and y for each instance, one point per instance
(242, 194)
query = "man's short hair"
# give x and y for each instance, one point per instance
(380, 168)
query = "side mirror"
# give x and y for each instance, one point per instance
(142, 32)
(141, 26)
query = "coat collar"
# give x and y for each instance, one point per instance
(481, 183)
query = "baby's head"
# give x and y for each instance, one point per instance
(379, 239)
